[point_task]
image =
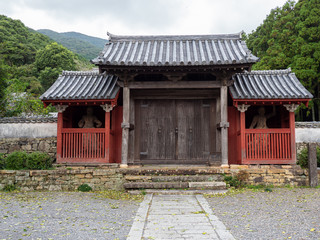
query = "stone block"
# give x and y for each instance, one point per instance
(88, 175)
(79, 175)
(276, 171)
(55, 188)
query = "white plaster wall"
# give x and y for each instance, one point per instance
(28, 130)
(307, 135)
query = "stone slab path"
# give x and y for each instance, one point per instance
(177, 217)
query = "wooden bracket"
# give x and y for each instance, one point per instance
(223, 125)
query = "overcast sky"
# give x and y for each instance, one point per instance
(136, 17)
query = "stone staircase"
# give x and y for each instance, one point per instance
(173, 181)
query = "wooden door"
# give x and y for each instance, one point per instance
(175, 131)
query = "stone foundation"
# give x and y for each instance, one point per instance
(48, 145)
(277, 175)
(112, 177)
(67, 179)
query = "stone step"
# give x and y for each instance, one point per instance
(166, 171)
(178, 192)
(170, 178)
(176, 185)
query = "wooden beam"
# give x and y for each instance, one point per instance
(224, 124)
(178, 84)
(125, 127)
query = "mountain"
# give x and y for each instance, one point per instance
(84, 45)
(29, 63)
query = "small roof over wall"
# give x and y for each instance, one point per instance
(82, 86)
(179, 50)
(271, 85)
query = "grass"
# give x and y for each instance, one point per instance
(119, 195)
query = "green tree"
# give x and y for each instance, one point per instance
(290, 37)
(50, 62)
(48, 76)
(55, 56)
(3, 85)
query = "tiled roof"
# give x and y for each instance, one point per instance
(274, 84)
(73, 85)
(175, 50)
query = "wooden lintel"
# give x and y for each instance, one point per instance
(170, 84)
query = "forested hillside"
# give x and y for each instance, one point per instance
(86, 46)
(290, 37)
(29, 63)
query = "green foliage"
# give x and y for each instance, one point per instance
(232, 181)
(48, 76)
(2, 161)
(19, 160)
(84, 188)
(86, 46)
(55, 56)
(303, 158)
(3, 84)
(29, 63)
(290, 37)
(9, 188)
(16, 160)
(39, 160)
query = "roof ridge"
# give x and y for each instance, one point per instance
(267, 72)
(89, 72)
(113, 37)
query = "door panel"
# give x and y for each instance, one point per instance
(175, 131)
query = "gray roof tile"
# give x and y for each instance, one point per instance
(274, 84)
(72, 85)
(175, 50)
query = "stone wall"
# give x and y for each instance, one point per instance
(111, 177)
(62, 179)
(277, 175)
(48, 145)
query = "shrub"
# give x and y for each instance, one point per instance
(232, 181)
(2, 161)
(38, 161)
(84, 188)
(303, 157)
(9, 188)
(16, 160)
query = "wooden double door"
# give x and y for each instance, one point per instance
(175, 131)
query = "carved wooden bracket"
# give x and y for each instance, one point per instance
(243, 107)
(61, 108)
(291, 107)
(107, 107)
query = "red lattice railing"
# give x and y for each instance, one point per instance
(268, 144)
(86, 143)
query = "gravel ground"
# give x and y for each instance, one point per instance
(280, 214)
(64, 215)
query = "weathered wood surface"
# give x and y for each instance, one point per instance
(174, 131)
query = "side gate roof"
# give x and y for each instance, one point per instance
(270, 85)
(82, 87)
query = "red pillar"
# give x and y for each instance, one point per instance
(107, 140)
(293, 136)
(59, 136)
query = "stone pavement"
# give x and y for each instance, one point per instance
(177, 217)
